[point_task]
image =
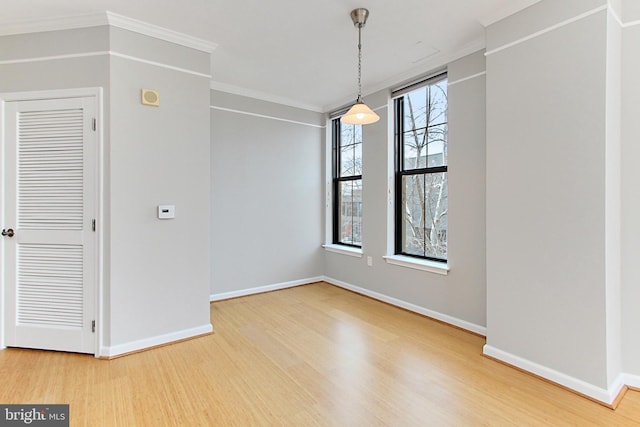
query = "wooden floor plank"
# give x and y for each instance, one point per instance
(314, 355)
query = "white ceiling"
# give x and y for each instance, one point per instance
(303, 52)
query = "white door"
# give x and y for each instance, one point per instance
(49, 243)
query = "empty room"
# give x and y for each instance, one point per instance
(340, 213)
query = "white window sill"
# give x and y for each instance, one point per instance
(344, 250)
(418, 264)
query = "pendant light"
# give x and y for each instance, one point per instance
(359, 113)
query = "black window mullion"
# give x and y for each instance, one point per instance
(404, 174)
(336, 183)
(399, 163)
(424, 214)
(436, 169)
(338, 180)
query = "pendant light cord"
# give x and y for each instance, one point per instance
(359, 63)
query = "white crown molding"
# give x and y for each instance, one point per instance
(237, 90)
(434, 62)
(105, 18)
(55, 23)
(161, 33)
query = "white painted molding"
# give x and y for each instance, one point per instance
(631, 380)
(161, 33)
(631, 24)
(247, 113)
(159, 64)
(597, 393)
(55, 23)
(463, 324)
(102, 53)
(146, 343)
(260, 289)
(250, 93)
(548, 29)
(344, 250)
(464, 79)
(418, 264)
(53, 57)
(105, 18)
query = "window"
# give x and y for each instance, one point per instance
(347, 184)
(421, 170)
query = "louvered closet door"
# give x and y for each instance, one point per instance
(50, 202)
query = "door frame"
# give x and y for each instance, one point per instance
(98, 280)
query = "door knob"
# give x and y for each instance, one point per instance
(8, 232)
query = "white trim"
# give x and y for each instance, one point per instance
(102, 19)
(100, 216)
(261, 289)
(2, 221)
(619, 20)
(463, 324)
(53, 57)
(56, 23)
(631, 380)
(146, 343)
(344, 250)
(231, 110)
(237, 90)
(99, 53)
(616, 17)
(159, 64)
(464, 79)
(606, 396)
(161, 33)
(631, 24)
(418, 264)
(548, 29)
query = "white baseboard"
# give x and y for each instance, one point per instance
(631, 380)
(146, 343)
(261, 289)
(463, 324)
(606, 396)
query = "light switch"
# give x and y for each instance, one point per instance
(166, 211)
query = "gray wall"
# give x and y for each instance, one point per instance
(631, 190)
(159, 269)
(156, 273)
(552, 208)
(266, 192)
(460, 294)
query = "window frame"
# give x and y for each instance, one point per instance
(400, 171)
(337, 179)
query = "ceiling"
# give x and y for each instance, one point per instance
(304, 53)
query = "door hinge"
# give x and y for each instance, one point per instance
(94, 125)
(93, 326)
(93, 225)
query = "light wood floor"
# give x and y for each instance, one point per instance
(314, 355)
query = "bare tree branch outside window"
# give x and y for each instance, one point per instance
(423, 171)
